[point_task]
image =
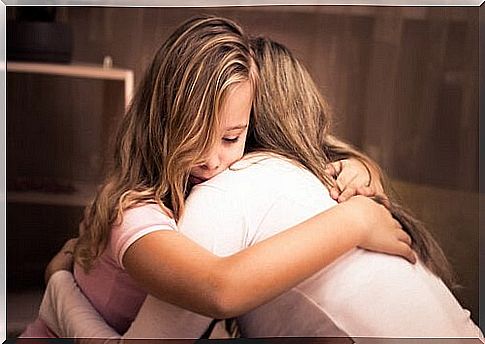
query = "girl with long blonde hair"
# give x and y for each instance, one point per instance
(187, 123)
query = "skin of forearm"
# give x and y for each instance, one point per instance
(64, 311)
(222, 287)
(268, 269)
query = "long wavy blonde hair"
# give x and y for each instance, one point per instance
(168, 128)
(292, 119)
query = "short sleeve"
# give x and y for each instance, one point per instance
(136, 223)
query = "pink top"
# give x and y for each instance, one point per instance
(114, 294)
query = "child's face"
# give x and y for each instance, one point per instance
(231, 136)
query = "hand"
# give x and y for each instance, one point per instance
(63, 260)
(353, 177)
(381, 232)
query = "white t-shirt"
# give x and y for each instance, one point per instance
(361, 294)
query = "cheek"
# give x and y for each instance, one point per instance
(239, 151)
(234, 154)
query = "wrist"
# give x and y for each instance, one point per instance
(353, 215)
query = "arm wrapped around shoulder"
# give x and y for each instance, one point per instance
(64, 306)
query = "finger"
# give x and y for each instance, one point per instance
(339, 166)
(68, 248)
(405, 237)
(411, 256)
(365, 191)
(334, 193)
(343, 182)
(331, 170)
(334, 168)
(406, 252)
(70, 245)
(346, 194)
(384, 200)
(397, 224)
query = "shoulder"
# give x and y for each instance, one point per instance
(142, 215)
(259, 180)
(267, 162)
(135, 223)
(260, 171)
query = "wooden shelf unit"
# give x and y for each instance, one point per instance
(60, 117)
(83, 194)
(79, 71)
(84, 191)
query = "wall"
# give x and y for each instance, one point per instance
(403, 83)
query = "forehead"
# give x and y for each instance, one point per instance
(236, 106)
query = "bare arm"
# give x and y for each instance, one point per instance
(69, 314)
(177, 270)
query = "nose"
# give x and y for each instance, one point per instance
(212, 162)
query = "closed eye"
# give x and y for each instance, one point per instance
(230, 139)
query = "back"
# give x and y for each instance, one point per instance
(361, 294)
(253, 200)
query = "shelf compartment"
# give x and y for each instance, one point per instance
(83, 194)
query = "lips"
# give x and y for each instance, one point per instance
(196, 180)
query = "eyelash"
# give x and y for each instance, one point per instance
(234, 140)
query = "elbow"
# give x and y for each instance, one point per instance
(225, 305)
(226, 299)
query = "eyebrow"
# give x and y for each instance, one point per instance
(240, 126)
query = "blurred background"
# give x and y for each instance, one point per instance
(402, 81)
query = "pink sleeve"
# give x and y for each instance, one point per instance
(136, 223)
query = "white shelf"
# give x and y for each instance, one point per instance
(77, 70)
(84, 193)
